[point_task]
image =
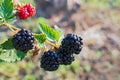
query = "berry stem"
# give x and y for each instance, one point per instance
(52, 44)
(8, 27)
(11, 27)
(57, 44)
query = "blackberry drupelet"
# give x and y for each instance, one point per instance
(50, 61)
(23, 40)
(65, 57)
(72, 43)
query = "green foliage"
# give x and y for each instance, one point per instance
(60, 31)
(6, 11)
(52, 34)
(9, 54)
(5, 44)
(41, 38)
(1, 2)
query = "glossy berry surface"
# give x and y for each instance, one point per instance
(72, 43)
(50, 61)
(23, 40)
(26, 11)
(30, 9)
(65, 57)
(23, 14)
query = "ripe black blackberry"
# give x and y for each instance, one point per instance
(50, 61)
(72, 43)
(65, 57)
(23, 40)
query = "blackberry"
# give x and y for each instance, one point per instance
(26, 11)
(72, 43)
(23, 40)
(50, 61)
(30, 9)
(23, 14)
(65, 57)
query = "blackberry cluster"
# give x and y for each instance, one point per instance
(23, 40)
(72, 43)
(50, 61)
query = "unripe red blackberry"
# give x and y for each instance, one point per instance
(72, 43)
(30, 9)
(23, 40)
(50, 61)
(23, 13)
(26, 11)
(66, 58)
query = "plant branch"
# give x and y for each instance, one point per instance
(11, 27)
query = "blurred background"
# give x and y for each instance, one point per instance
(97, 21)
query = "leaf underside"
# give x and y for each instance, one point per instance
(9, 54)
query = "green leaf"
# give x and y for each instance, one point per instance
(1, 2)
(41, 38)
(51, 33)
(6, 10)
(6, 43)
(61, 33)
(9, 54)
(1, 21)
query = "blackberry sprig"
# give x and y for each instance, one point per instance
(59, 53)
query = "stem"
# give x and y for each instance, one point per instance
(57, 44)
(45, 48)
(11, 27)
(52, 44)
